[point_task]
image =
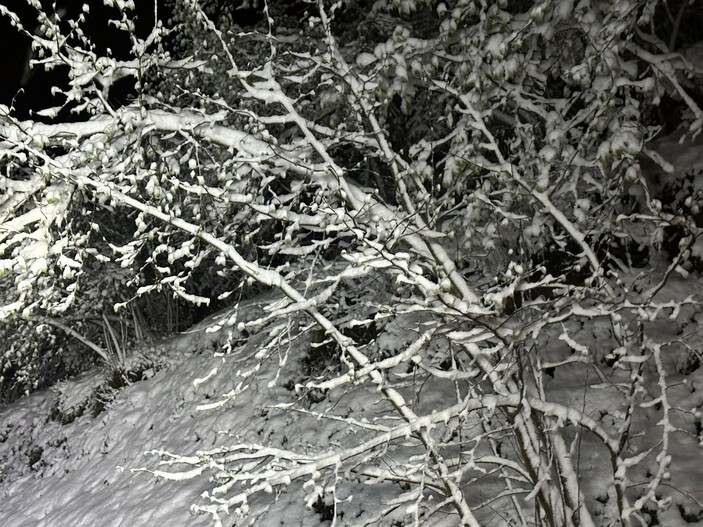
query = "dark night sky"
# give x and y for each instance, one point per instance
(15, 48)
(36, 92)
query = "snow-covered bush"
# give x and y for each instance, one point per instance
(487, 170)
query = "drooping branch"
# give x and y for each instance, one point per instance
(102, 353)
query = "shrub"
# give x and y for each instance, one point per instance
(481, 164)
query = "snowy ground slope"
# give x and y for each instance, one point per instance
(82, 473)
(88, 471)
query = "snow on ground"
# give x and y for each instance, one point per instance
(88, 471)
(69, 457)
(81, 473)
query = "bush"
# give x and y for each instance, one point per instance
(479, 164)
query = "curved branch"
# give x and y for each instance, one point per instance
(80, 338)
